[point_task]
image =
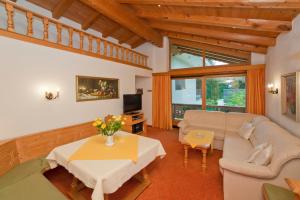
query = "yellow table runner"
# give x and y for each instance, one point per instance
(199, 138)
(125, 148)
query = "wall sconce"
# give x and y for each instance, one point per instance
(50, 95)
(272, 89)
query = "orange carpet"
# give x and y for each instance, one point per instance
(170, 179)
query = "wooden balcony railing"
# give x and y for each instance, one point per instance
(22, 24)
(178, 110)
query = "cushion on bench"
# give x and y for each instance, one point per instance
(273, 192)
(23, 170)
(33, 187)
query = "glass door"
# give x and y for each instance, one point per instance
(186, 95)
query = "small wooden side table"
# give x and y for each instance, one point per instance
(198, 139)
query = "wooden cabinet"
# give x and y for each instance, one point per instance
(135, 123)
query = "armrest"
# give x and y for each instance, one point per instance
(246, 168)
(183, 124)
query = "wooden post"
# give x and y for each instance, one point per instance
(111, 50)
(98, 45)
(29, 16)
(146, 61)
(126, 54)
(71, 37)
(117, 52)
(105, 48)
(59, 28)
(81, 40)
(46, 28)
(90, 43)
(10, 17)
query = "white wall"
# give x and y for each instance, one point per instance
(26, 68)
(258, 58)
(158, 57)
(282, 59)
(146, 84)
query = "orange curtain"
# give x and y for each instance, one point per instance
(161, 100)
(256, 91)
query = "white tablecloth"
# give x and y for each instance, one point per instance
(105, 176)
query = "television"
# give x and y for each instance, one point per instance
(132, 103)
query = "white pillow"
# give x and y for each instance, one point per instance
(264, 157)
(256, 151)
(246, 130)
(253, 140)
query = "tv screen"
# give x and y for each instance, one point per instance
(132, 102)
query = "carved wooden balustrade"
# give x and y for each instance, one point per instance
(22, 24)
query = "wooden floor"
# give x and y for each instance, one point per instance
(170, 179)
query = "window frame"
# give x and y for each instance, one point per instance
(203, 84)
(203, 50)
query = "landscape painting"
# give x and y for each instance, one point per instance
(96, 88)
(290, 96)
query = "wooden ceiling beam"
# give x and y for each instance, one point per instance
(273, 4)
(216, 42)
(125, 38)
(132, 39)
(137, 43)
(240, 23)
(60, 8)
(90, 21)
(126, 18)
(226, 51)
(223, 35)
(108, 32)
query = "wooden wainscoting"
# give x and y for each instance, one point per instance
(22, 149)
(8, 156)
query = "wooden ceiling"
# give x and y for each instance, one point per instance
(244, 25)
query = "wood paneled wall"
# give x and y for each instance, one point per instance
(8, 156)
(28, 147)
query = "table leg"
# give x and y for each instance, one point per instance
(106, 197)
(76, 186)
(186, 152)
(204, 152)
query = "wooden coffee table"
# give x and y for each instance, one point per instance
(198, 139)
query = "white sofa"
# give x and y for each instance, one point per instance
(242, 180)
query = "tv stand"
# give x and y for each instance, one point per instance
(135, 123)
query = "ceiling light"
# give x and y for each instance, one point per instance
(159, 5)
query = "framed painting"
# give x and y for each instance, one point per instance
(290, 99)
(96, 88)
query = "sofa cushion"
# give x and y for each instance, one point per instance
(33, 187)
(236, 148)
(205, 119)
(258, 119)
(234, 121)
(264, 157)
(246, 130)
(23, 170)
(285, 146)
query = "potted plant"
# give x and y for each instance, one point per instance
(109, 127)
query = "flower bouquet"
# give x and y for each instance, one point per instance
(109, 127)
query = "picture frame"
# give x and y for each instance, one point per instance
(290, 95)
(90, 88)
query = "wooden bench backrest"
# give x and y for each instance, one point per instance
(33, 146)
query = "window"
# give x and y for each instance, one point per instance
(179, 84)
(185, 57)
(189, 57)
(226, 94)
(189, 98)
